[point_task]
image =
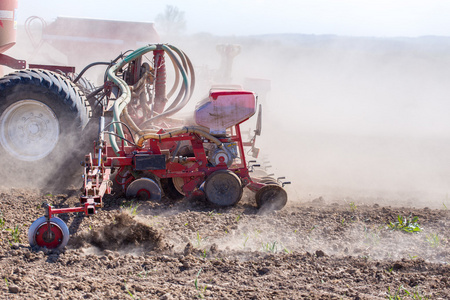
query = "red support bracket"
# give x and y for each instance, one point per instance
(12, 63)
(63, 69)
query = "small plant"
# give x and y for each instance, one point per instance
(200, 290)
(402, 291)
(352, 206)
(246, 239)
(372, 238)
(2, 221)
(445, 206)
(199, 240)
(412, 257)
(409, 224)
(204, 253)
(270, 247)
(143, 273)
(433, 240)
(15, 234)
(238, 218)
(128, 291)
(131, 207)
(286, 250)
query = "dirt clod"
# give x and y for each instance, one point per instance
(124, 232)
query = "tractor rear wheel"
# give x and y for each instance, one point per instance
(42, 115)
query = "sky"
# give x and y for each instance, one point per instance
(380, 18)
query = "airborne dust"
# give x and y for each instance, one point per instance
(358, 125)
(343, 118)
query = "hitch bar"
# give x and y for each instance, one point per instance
(88, 207)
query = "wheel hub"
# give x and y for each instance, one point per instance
(29, 130)
(49, 237)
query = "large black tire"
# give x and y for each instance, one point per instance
(42, 117)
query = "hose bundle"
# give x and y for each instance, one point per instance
(182, 66)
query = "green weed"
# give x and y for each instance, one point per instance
(372, 238)
(2, 221)
(412, 257)
(128, 291)
(15, 234)
(204, 253)
(200, 290)
(352, 206)
(269, 247)
(199, 240)
(131, 206)
(286, 250)
(402, 293)
(409, 224)
(433, 240)
(238, 218)
(246, 239)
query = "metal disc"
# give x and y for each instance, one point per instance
(55, 237)
(271, 197)
(178, 183)
(145, 189)
(223, 188)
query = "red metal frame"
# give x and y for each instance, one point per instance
(97, 178)
(12, 63)
(64, 69)
(98, 169)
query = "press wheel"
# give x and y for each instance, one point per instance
(271, 197)
(55, 237)
(223, 188)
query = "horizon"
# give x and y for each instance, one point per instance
(352, 18)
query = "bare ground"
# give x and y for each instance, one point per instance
(188, 249)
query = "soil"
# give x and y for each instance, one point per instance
(317, 249)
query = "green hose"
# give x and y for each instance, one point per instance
(125, 97)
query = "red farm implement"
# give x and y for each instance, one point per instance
(145, 145)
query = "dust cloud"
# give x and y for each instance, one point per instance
(355, 116)
(347, 116)
(343, 116)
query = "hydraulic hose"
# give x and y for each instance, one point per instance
(182, 66)
(186, 89)
(125, 96)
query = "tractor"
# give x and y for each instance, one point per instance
(142, 145)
